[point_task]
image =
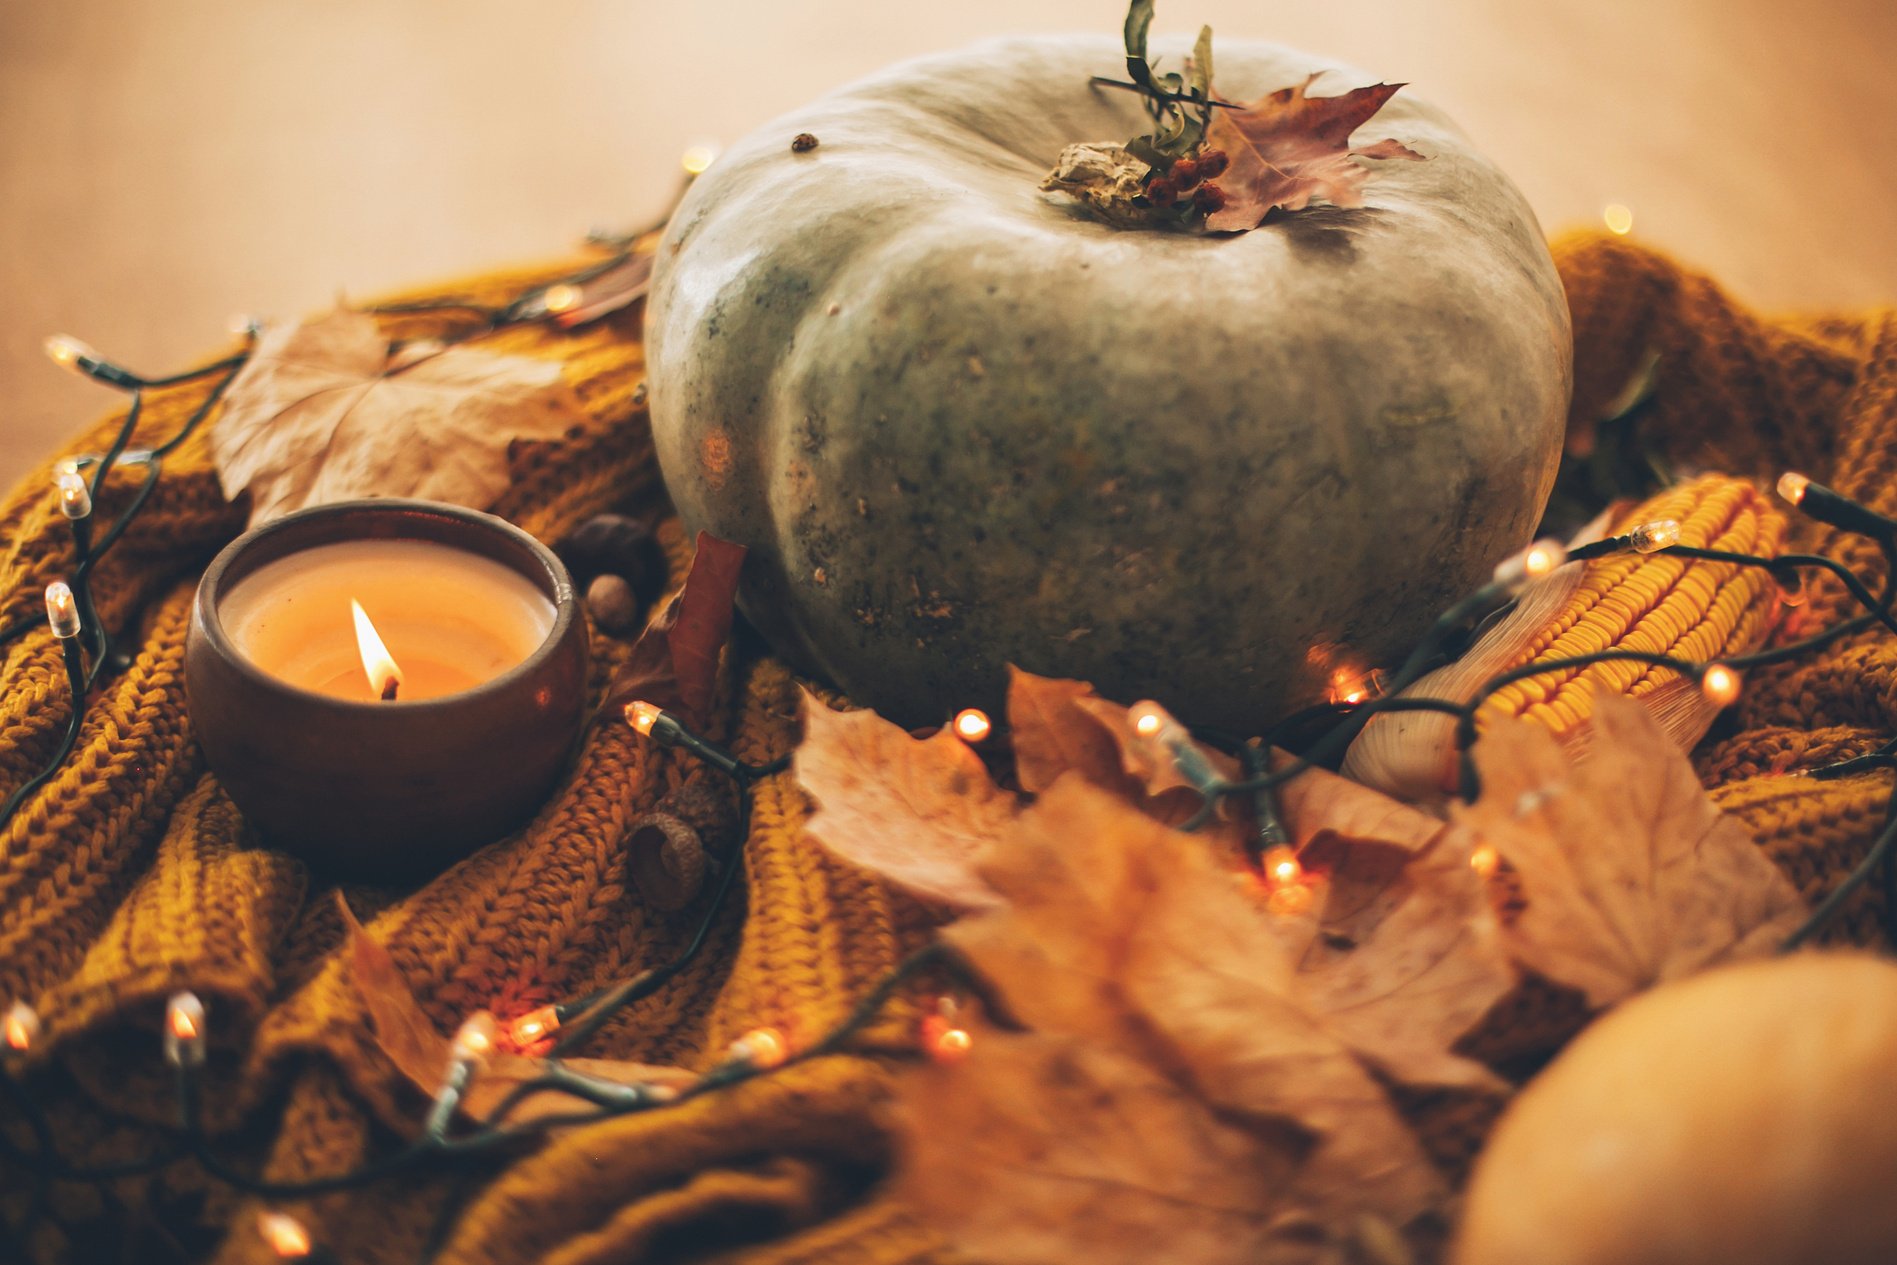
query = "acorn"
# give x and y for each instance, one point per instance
(613, 544)
(666, 859)
(613, 605)
(684, 837)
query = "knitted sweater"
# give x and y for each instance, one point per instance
(131, 875)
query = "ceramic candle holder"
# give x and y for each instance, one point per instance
(367, 789)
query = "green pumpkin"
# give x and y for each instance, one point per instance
(960, 424)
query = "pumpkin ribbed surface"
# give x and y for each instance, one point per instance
(131, 874)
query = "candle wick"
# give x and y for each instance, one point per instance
(390, 686)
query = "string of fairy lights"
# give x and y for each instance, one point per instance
(88, 651)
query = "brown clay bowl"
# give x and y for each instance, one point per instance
(377, 792)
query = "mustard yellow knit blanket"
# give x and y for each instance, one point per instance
(130, 875)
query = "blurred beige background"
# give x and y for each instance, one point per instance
(164, 166)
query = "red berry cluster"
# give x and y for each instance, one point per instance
(1193, 176)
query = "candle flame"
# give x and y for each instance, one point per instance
(384, 676)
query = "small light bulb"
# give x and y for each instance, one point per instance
(1720, 685)
(534, 1026)
(184, 1030)
(562, 298)
(1148, 719)
(1544, 556)
(1618, 218)
(698, 157)
(474, 1039)
(642, 715)
(69, 353)
(1652, 537)
(1485, 861)
(75, 498)
(1539, 559)
(943, 1040)
(21, 1027)
(285, 1235)
(1349, 686)
(1281, 865)
(760, 1047)
(62, 610)
(972, 724)
(1793, 485)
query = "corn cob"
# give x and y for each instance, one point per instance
(1657, 603)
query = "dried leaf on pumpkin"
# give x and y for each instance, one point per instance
(1119, 931)
(917, 812)
(1286, 148)
(420, 1052)
(674, 664)
(321, 413)
(1631, 876)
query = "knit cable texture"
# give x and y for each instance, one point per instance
(131, 875)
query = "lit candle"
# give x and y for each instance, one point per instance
(446, 618)
(384, 744)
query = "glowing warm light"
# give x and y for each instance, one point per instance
(184, 1030)
(1618, 218)
(1793, 486)
(697, 158)
(943, 1041)
(1352, 687)
(75, 498)
(1282, 866)
(21, 1027)
(972, 724)
(62, 610)
(285, 1235)
(1652, 537)
(1720, 685)
(1539, 559)
(1148, 720)
(384, 677)
(761, 1047)
(642, 715)
(1485, 861)
(475, 1038)
(68, 352)
(562, 298)
(1542, 557)
(535, 1025)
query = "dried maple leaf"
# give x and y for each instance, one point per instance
(1120, 931)
(674, 664)
(1286, 148)
(1399, 949)
(320, 413)
(1631, 876)
(1059, 725)
(917, 812)
(1046, 1148)
(420, 1053)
